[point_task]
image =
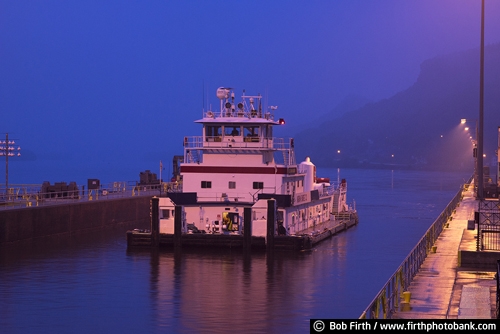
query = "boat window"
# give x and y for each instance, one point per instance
(258, 185)
(165, 214)
(206, 184)
(279, 216)
(251, 131)
(213, 131)
(232, 130)
(232, 185)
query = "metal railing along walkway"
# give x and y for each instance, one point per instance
(388, 300)
(23, 196)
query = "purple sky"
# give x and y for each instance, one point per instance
(106, 89)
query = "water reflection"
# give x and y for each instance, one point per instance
(91, 283)
(93, 276)
(221, 290)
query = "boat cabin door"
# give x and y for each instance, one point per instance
(230, 221)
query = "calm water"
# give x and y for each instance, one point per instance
(94, 285)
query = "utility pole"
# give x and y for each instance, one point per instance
(161, 181)
(8, 151)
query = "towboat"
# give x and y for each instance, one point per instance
(237, 163)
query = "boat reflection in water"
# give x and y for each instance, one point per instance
(221, 290)
(93, 284)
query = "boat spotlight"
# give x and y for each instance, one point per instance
(281, 121)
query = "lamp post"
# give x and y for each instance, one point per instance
(480, 194)
(474, 155)
(8, 151)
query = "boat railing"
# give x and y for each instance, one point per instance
(230, 142)
(227, 197)
(387, 301)
(195, 145)
(245, 112)
(330, 190)
(23, 195)
(325, 191)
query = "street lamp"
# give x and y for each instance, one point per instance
(474, 154)
(8, 151)
(480, 194)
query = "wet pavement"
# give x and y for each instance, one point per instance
(442, 289)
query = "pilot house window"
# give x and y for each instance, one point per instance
(206, 184)
(251, 133)
(232, 130)
(232, 185)
(213, 133)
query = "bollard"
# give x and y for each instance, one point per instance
(271, 224)
(155, 221)
(178, 230)
(247, 228)
(406, 296)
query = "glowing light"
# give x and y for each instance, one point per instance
(462, 121)
(8, 151)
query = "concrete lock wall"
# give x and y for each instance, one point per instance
(36, 222)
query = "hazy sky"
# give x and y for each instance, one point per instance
(106, 89)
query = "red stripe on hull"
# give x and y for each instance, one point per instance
(234, 170)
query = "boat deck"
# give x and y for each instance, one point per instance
(307, 240)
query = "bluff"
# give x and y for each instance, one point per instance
(419, 127)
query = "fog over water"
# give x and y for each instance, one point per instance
(108, 89)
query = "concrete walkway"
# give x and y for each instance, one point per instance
(444, 290)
